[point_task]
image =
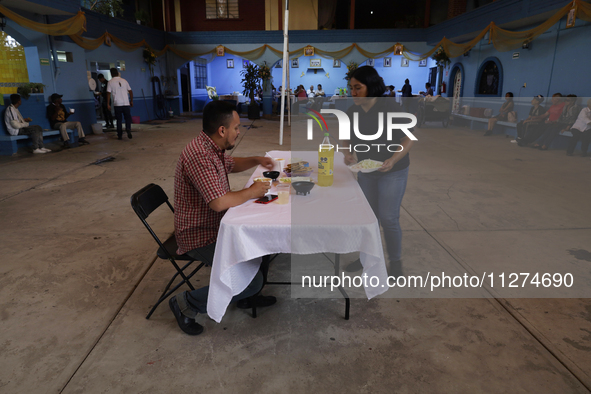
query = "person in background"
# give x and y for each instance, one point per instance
(320, 92)
(107, 115)
(202, 195)
(301, 92)
(503, 113)
(551, 116)
(392, 92)
(58, 119)
(122, 95)
(536, 118)
(581, 131)
(406, 94)
(17, 125)
(566, 120)
(311, 92)
(428, 90)
(385, 187)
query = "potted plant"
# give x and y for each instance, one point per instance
(150, 58)
(441, 58)
(26, 89)
(141, 17)
(251, 83)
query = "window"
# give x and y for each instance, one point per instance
(200, 73)
(63, 56)
(489, 80)
(13, 64)
(221, 9)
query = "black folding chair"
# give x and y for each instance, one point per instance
(144, 202)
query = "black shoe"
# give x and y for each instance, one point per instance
(488, 132)
(83, 141)
(188, 325)
(119, 136)
(354, 266)
(129, 135)
(260, 301)
(66, 145)
(395, 268)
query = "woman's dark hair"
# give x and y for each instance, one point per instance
(509, 93)
(369, 77)
(406, 80)
(428, 85)
(215, 114)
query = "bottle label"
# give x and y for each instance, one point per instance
(325, 166)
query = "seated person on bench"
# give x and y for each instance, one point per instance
(550, 117)
(17, 125)
(537, 115)
(57, 115)
(564, 123)
(503, 113)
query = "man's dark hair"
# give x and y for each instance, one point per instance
(215, 114)
(406, 80)
(100, 76)
(391, 87)
(114, 72)
(428, 85)
(368, 76)
(509, 93)
(15, 98)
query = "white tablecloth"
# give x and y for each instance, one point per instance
(336, 219)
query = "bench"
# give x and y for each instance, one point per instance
(474, 121)
(9, 143)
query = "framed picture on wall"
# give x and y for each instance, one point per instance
(404, 62)
(279, 64)
(398, 48)
(309, 50)
(230, 63)
(387, 62)
(371, 62)
(423, 63)
(315, 63)
(220, 50)
(245, 63)
(336, 63)
(295, 63)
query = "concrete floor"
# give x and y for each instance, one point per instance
(79, 274)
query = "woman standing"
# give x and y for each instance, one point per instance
(385, 187)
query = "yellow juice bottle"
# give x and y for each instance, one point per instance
(325, 162)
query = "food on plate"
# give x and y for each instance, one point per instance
(366, 164)
(285, 180)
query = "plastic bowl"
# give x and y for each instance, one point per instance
(302, 188)
(271, 174)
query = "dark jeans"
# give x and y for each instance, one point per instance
(107, 115)
(529, 132)
(384, 193)
(124, 110)
(35, 133)
(194, 302)
(551, 130)
(585, 138)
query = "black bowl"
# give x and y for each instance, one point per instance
(271, 174)
(303, 187)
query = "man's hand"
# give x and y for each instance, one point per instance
(109, 106)
(267, 162)
(350, 158)
(28, 120)
(259, 189)
(131, 103)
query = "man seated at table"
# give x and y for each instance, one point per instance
(58, 116)
(201, 197)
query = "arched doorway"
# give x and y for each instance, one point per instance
(456, 84)
(489, 79)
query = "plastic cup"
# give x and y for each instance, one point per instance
(72, 110)
(279, 164)
(283, 194)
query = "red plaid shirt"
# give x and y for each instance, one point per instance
(201, 176)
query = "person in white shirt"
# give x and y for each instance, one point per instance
(320, 92)
(17, 125)
(119, 89)
(581, 130)
(311, 92)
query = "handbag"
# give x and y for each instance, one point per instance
(512, 117)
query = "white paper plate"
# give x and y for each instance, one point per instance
(355, 167)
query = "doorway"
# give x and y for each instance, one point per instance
(186, 87)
